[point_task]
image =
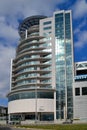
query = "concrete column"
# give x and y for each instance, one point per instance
(26, 34)
(55, 106)
(9, 118)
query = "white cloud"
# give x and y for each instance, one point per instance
(79, 9)
(82, 39)
(80, 33)
(27, 7)
(7, 31)
(80, 26)
(6, 53)
(2, 19)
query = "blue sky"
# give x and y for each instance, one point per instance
(13, 11)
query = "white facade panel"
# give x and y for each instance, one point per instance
(52, 41)
(28, 105)
(80, 107)
(80, 102)
(52, 46)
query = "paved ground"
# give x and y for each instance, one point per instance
(4, 128)
(10, 128)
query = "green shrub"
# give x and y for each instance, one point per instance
(59, 127)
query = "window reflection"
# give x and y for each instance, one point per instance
(28, 95)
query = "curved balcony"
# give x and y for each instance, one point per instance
(38, 53)
(30, 44)
(32, 77)
(30, 39)
(32, 60)
(32, 71)
(28, 23)
(30, 65)
(25, 88)
(33, 29)
(40, 59)
(32, 84)
(30, 49)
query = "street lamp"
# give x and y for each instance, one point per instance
(65, 113)
(41, 109)
(36, 103)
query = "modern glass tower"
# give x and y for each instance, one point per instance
(64, 64)
(42, 71)
(59, 30)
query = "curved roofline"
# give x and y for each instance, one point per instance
(28, 22)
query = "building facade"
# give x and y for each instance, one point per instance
(42, 71)
(3, 113)
(80, 91)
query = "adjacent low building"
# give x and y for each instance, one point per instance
(80, 91)
(3, 113)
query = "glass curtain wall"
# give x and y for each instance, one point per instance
(60, 64)
(69, 65)
(64, 77)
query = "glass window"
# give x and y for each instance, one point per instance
(48, 22)
(77, 91)
(84, 91)
(29, 95)
(59, 15)
(47, 28)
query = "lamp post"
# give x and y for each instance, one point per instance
(65, 113)
(36, 103)
(41, 109)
